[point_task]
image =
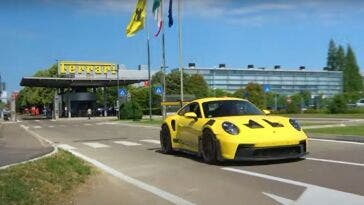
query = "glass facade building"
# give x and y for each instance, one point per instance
(282, 81)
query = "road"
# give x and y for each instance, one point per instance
(18, 146)
(333, 173)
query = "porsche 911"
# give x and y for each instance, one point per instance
(219, 129)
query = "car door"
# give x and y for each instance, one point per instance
(182, 123)
(193, 128)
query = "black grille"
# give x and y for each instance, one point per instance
(248, 153)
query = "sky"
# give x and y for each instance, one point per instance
(34, 34)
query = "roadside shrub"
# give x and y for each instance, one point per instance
(131, 110)
(338, 105)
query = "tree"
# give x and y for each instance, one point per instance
(332, 56)
(196, 85)
(352, 78)
(338, 104)
(217, 92)
(254, 93)
(295, 105)
(340, 58)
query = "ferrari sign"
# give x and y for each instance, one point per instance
(87, 69)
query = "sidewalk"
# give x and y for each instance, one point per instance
(16, 145)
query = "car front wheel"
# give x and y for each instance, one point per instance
(209, 152)
(165, 140)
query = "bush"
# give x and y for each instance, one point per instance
(131, 110)
(338, 105)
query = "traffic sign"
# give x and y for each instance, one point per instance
(266, 88)
(158, 90)
(122, 92)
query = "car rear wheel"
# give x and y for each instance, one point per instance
(165, 139)
(209, 152)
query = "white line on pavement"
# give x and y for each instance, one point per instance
(50, 126)
(144, 126)
(95, 145)
(152, 189)
(313, 194)
(335, 161)
(37, 127)
(87, 124)
(36, 120)
(336, 141)
(127, 143)
(151, 141)
(66, 146)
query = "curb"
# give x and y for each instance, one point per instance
(340, 138)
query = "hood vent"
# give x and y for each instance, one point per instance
(273, 124)
(253, 124)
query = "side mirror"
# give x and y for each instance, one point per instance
(266, 112)
(191, 115)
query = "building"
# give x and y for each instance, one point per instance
(277, 79)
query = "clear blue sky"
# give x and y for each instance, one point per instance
(35, 33)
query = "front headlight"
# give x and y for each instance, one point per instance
(295, 124)
(230, 128)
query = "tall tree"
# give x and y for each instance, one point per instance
(254, 93)
(352, 78)
(331, 56)
(340, 58)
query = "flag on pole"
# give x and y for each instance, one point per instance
(170, 16)
(137, 19)
(158, 15)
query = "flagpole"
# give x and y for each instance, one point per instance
(180, 49)
(149, 83)
(163, 64)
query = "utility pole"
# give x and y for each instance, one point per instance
(163, 65)
(180, 49)
(118, 99)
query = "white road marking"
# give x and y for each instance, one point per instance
(95, 145)
(87, 124)
(37, 127)
(66, 146)
(107, 123)
(336, 141)
(50, 126)
(335, 161)
(323, 126)
(152, 189)
(151, 141)
(313, 194)
(36, 120)
(127, 143)
(139, 126)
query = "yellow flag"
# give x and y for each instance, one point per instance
(137, 20)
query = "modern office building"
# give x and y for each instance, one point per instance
(279, 80)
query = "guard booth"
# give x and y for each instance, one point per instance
(77, 81)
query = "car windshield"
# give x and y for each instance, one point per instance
(223, 108)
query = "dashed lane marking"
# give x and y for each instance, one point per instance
(151, 141)
(127, 143)
(336, 141)
(95, 145)
(313, 194)
(335, 161)
(50, 126)
(37, 127)
(87, 124)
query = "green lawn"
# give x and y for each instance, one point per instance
(349, 130)
(44, 181)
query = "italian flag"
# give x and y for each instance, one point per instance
(158, 15)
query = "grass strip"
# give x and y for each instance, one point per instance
(44, 181)
(357, 130)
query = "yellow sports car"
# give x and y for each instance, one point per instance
(231, 129)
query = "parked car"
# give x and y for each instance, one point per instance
(360, 103)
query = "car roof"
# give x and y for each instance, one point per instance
(202, 100)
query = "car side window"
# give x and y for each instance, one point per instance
(193, 107)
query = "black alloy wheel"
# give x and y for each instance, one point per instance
(165, 139)
(209, 153)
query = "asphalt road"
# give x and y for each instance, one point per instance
(333, 173)
(17, 145)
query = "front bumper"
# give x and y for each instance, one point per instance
(247, 153)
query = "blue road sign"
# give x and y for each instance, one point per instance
(122, 92)
(266, 88)
(158, 90)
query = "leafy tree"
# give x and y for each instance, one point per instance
(306, 97)
(131, 110)
(295, 105)
(332, 56)
(352, 78)
(254, 93)
(196, 85)
(338, 104)
(218, 93)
